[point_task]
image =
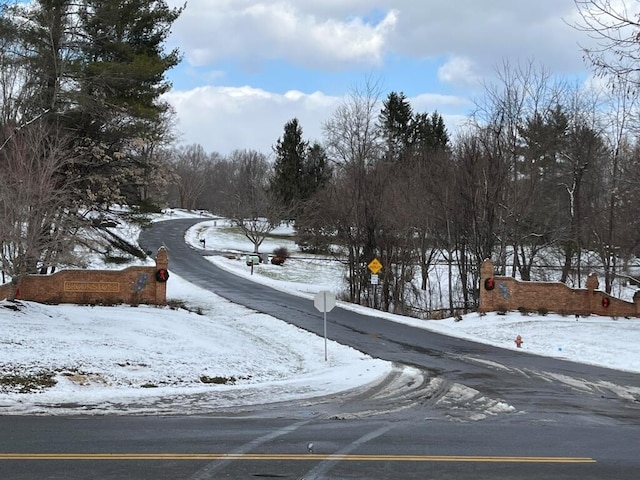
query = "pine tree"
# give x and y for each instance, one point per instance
(395, 121)
(287, 183)
(95, 68)
(316, 171)
(123, 65)
(429, 132)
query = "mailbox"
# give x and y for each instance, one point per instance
(252, 260)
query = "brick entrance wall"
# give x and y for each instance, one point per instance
(499, 293)
(133, 285)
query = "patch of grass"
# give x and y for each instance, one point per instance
(27, 383)
(177, 304)
(217, 380)
(116, 260)
(14, 305)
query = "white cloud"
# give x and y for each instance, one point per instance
(256, 31)
(429, 102)
(331, 35)
(460, 71)
(489, 31)
(223, 119)
(464, 40)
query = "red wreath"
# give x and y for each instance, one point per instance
(489, 284)
(162, 275)
(605, 302)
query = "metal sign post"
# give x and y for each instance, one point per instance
(324, 301)
(374, 267)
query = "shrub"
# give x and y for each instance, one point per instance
(277, 260)
(282, 252)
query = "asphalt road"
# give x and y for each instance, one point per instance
(567, 420)
(544, 388)
(224, 447)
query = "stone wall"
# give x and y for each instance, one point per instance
(133, 285)
(499, 293)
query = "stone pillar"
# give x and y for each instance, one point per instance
(162, 263)
(591, 303)
(487, 272)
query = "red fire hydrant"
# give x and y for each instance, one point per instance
(519, 341)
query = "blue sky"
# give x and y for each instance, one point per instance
(251, 65)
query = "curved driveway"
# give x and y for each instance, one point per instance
(539, 388)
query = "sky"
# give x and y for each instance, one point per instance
(150, 360)
(250, 66)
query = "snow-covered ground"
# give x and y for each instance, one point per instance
(160, 360)
(604, 341)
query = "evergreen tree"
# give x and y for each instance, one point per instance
(395, 121)
(288, 177)
(316, 171)
(429, 132)
(95, 68)
(123, 66)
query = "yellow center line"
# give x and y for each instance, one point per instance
(292, 457)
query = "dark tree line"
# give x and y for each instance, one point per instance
(540, 181)
(534, 182)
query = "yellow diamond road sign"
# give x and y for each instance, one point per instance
(374, 266)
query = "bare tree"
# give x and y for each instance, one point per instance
(190, 164)
(615, 28)
(510, 119)
(429, 196)
(252, 206)
(578, 171)
(396, 237)
(353, 144)
(150, 155)
(36, 228)
(12, 75)
(608, 230)
(481, 175)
